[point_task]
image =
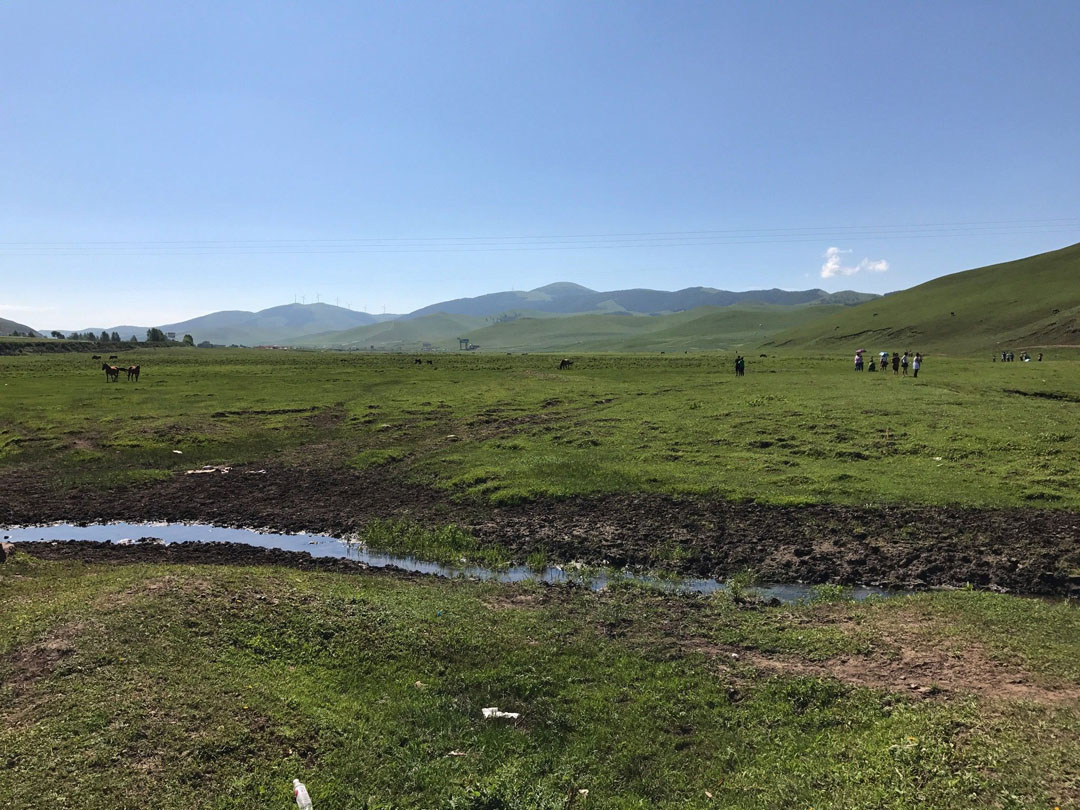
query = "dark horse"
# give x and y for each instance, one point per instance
(133, 372)
(566, 363)
(112, 373)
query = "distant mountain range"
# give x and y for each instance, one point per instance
(565, 298)
(277, 325)
(1031, 302)
(441, 323)
(567, 316)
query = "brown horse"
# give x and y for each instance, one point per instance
(112, 373)
(133, 372)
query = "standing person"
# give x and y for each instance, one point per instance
(895, 363)
(904, 363)
(916, 363)
(858, 361)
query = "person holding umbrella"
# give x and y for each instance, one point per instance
(858, 359)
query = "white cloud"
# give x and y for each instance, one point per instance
(834, 265)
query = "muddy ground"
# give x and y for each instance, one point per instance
(1031, 551)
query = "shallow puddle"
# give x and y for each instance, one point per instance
(320, 545)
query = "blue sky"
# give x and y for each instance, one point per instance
(162, 160)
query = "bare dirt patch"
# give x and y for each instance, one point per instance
(908, 660)
(29, 663)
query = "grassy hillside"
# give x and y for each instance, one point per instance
(1029, 304)
(697, 329)
(7, 327)
(529, 331)
(440, 330)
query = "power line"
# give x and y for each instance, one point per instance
(527, 243)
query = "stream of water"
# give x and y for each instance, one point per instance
(320, 545)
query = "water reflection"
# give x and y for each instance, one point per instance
(319, 545)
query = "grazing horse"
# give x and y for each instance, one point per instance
(133, 371)
(96, 357)
(112, 373)
(565, 364)
(112, 356)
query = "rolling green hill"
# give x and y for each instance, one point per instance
(439, 330)
(1024, 304)
(698, 329)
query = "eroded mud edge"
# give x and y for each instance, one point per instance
(1029, 551)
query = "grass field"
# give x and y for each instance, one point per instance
(185, 686)
(506, 428)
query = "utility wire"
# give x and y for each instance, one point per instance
(526, 243)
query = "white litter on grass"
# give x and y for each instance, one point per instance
(256, 472)
(937, 458)
(208, 468)
(493, 711)
(457, 754)
(179, 452)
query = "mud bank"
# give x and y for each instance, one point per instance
(195, 553)
(1031, 551)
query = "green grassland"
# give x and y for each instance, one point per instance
(201, 686)
(501, 428)
(1028, 304)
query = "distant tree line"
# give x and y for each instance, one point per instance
(153, 335)
(104, 337)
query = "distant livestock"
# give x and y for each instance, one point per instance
(133, 373)
(112, 373)
(112, 356)
(96, 357)
(565, 364)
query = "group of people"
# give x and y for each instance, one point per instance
(900, 362)
(740, 365)
(1008, 357)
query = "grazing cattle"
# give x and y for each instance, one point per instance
(112, 356)
(133, 373)
(565, 364)
(96, 357)
(112, 373)
(430, 362)
(418, 361)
